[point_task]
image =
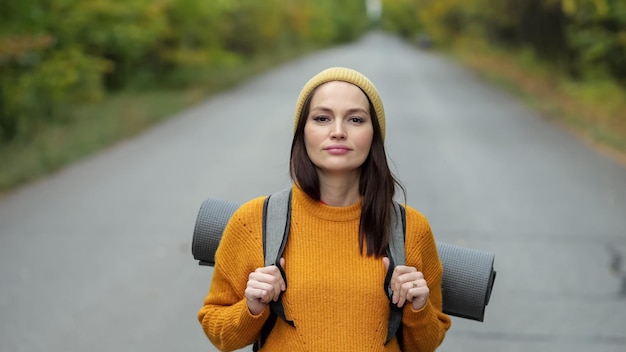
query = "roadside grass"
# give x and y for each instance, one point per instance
(85, 130)
(594, 110)
(89, 128)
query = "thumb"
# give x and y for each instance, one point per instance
(386, 263)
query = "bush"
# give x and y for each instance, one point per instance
(36, 83)
(596, 35)
(123, 34)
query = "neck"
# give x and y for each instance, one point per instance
(339, 190)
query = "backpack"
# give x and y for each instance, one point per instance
(276, 222)
(468, 274)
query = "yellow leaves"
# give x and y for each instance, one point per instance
(569, 7)
(601, 7)
(272, 25)
(200, 58)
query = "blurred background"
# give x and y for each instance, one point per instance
(76, 75)
(506, 123)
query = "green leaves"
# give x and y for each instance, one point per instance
(581, 37)
(59, 52)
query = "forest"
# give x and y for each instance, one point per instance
(59, 57)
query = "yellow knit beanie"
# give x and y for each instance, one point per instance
(345, 75)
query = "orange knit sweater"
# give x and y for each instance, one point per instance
(334, 294)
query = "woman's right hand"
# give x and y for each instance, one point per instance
(264, 285)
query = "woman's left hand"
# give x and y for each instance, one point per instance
(408, 284)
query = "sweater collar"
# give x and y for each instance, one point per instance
(323, 211)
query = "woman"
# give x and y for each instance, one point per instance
(335, 257)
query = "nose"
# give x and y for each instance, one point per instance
(338, 130)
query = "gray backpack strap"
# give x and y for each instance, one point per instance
(398, 226)
(276, 222)
(396, 256)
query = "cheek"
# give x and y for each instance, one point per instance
(311, 137)
(365, 140)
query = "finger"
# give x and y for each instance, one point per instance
(270, 269)
(277, 281)
(273, 276)
(392, 282)
(407, 281)
(253, 300)
(403, 269)
(280, 281)
(259, 293)
(271, 283)
(402, 274)
(418, 288)
(395, 285)
(397, 281)
(403, 292)
(421, 283)
(412, 276)
(418, 296)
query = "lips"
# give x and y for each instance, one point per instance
(337, 149)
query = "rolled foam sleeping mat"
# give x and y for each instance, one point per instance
(468, 278)
(210, 223)
(468, 274)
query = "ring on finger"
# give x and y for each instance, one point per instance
(414, 284)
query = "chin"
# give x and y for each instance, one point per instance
(339, 169)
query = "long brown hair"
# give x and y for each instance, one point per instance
(377, 184)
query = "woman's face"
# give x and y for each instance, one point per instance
(338, 132)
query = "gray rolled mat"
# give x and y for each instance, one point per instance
(468, 274)
(210, 223)
(468, 278)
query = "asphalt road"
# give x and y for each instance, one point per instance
(97, 256)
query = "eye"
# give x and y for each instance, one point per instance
(356, 120)
(321, 118)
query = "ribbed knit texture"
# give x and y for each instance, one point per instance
(345, 75)
(334, 294)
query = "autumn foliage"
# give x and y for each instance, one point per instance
(59, 52)
(584, 38)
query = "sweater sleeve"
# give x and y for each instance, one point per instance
(225, 317)
(424, 329)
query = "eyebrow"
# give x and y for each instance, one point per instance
(350, 111)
